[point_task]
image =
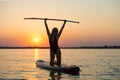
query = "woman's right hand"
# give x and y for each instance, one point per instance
(45, 19)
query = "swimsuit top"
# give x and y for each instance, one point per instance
(53, 43)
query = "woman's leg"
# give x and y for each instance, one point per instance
(58, 56)
(52, 57)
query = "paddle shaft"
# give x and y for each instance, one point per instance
(53, 19)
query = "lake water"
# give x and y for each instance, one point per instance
(95, 64)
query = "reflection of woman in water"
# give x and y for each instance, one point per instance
(55, 75)
(53, 41)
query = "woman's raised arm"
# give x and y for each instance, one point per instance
(47, 29)
(59, 34)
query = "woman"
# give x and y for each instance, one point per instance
(53, 41)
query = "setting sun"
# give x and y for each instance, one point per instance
(36, 40)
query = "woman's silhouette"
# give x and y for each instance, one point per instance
(53, 41)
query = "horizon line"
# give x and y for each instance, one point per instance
(69, 47)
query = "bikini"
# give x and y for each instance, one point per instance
(54, 44)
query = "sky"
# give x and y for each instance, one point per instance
(99, 22)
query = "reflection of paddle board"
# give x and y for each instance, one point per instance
(70, 69)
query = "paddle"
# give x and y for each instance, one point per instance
(53, 19)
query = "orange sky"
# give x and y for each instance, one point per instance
(99, 22)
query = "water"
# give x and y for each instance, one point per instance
(95, 64)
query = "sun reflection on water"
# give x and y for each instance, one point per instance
(36, 55)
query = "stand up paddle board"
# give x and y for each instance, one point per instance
(70, 69)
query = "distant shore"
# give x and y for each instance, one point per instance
(82, 47)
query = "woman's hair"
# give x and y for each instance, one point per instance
(54, 30)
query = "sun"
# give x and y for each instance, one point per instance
(36, 40)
